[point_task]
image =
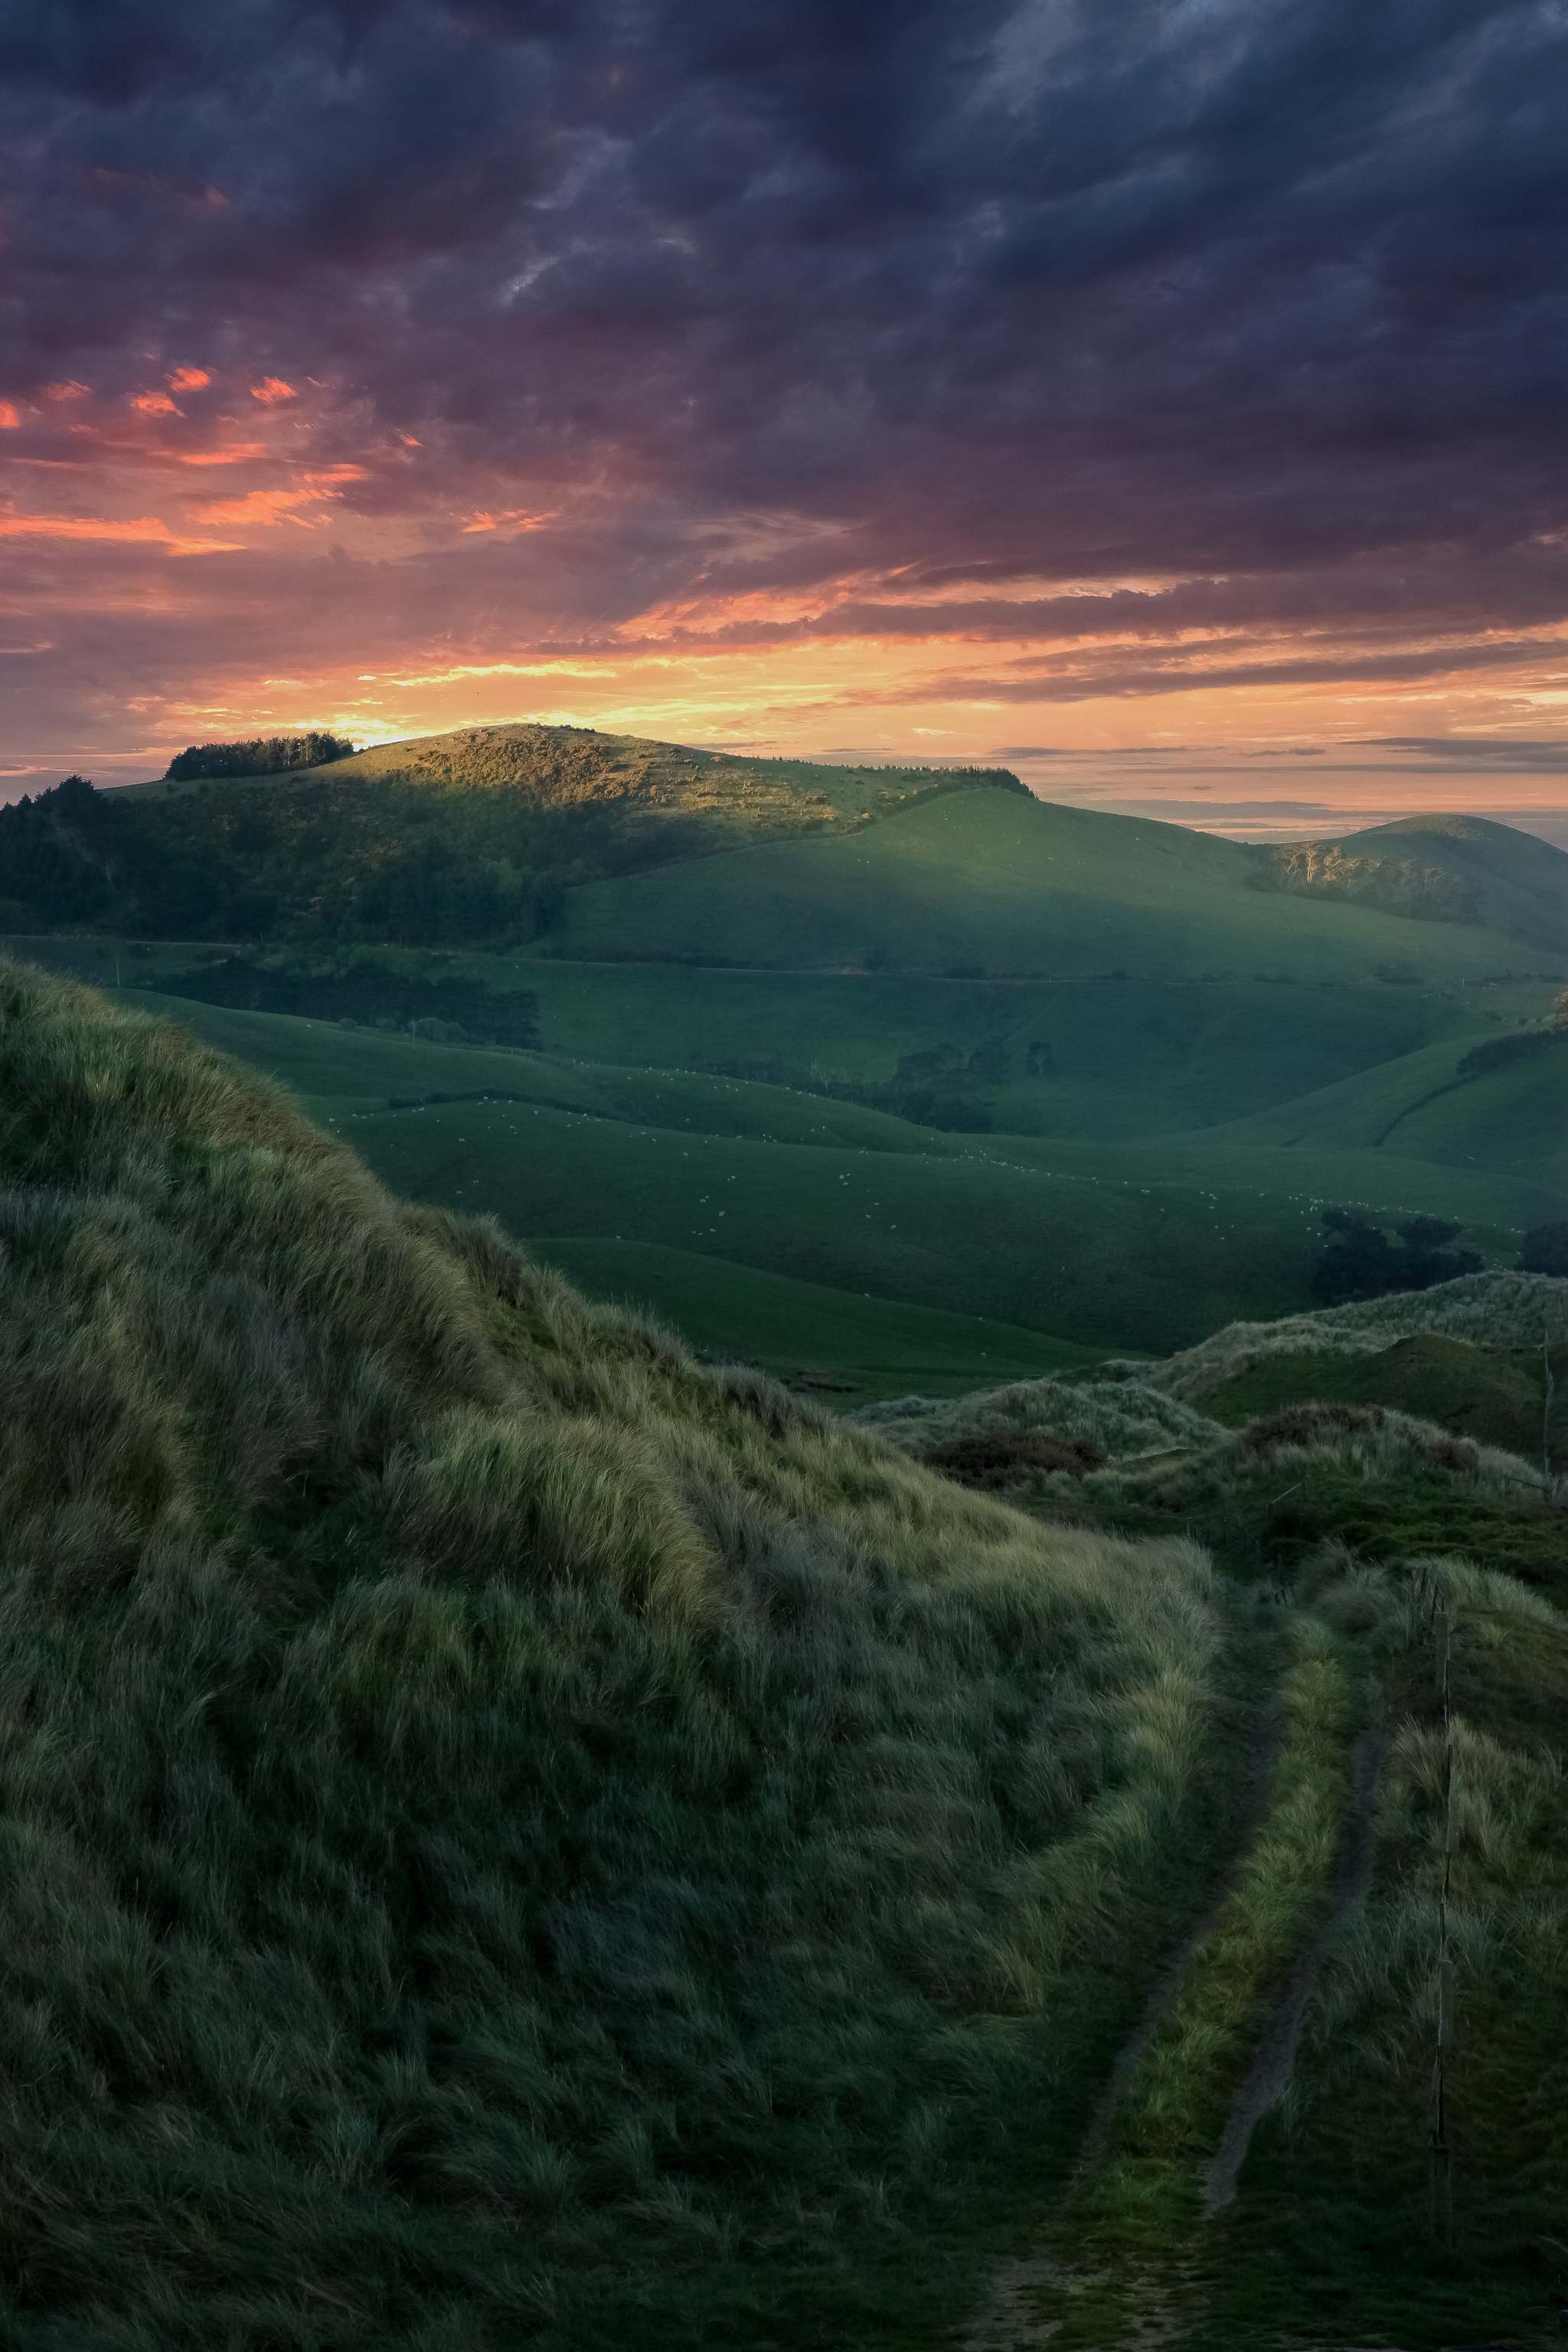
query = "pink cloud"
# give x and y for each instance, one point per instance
(238, 453)
(271, 389)
(189, 379)
(70, 390)
(153, 403)
(512, 518)
(279, 505)
(10, 418)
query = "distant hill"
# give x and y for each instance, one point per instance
(992, 883)
(601, 846)
(479, 835)
(1452, 869)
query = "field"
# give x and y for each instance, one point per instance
(523, 1839)
(873, 1347)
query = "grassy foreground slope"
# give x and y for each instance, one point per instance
(514, 1839)
(511, 1837)
(1269, 2163)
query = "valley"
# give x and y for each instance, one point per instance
(806, 1377)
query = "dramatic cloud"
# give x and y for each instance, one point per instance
(1191, 372)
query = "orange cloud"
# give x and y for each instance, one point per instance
(271, 389)
(279, 505)
(238, 453)
(189, 379)
(153, 403)
(10, 420)
(70, 390)
(514, 518)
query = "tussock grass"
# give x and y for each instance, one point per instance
(1495, 1310)
(507, 1833)
(1107, 1420)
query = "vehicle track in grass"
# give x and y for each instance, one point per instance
(1273, 2068)
(1135, 2303)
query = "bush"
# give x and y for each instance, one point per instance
(1359, 1261)
(1544, 1249)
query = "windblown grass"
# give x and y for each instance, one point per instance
(1011, 1431)
(510, 1836)
(1495, 1310)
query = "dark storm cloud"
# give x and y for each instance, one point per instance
(1264, 299)
(1075, 251)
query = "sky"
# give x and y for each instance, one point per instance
(1165, 398)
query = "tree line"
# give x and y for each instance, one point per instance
(260, 755)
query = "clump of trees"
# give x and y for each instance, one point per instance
(1544, 1249)
(261, 755)
(1360, 1259)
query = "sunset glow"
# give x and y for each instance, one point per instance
(638, 399)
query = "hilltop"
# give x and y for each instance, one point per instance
(1453, 869)
(596, 846)
(519, 1838)
(476, 835)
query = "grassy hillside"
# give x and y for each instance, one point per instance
(1498, 1310)
(1103, 1245)
(515, 1837)
(1446, 868)
(476, 835)
(1095, 1057)
(519, 1838)
(525, 1839)
(995, 883)
(566, 767)
(838, 1342)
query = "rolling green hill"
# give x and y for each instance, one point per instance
(572, 767)
(517, 1839)
(1100, 1244)
(1092, 1058)
(1121, 1066)
(1428, 1106)
(995, 883)
(474, 836)
(1453, 868)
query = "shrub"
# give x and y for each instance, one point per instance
(1544, 1249)
(1359, 1261)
